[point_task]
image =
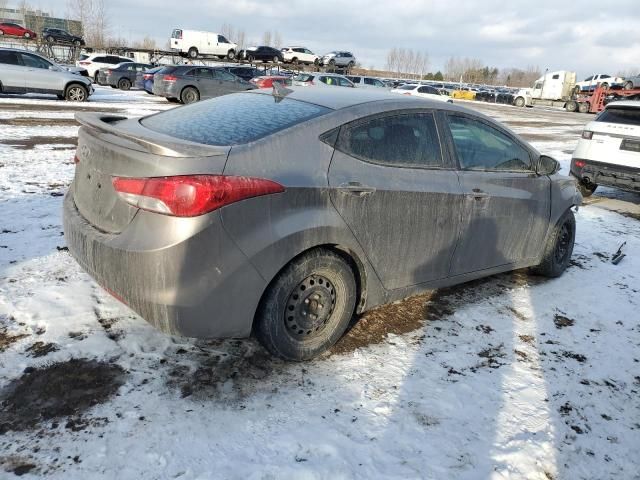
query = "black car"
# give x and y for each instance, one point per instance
(263, 53)
(123, 75)
(245, 73)
(58, 35)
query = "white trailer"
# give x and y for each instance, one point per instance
(195, 43)
(553, 89)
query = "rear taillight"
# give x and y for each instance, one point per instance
(192, 195)
(406, 93)
(579, 163)
(85, 63)
(170, 78)
(76, 159)
(109, 72)
(147, 76)
(587, 135)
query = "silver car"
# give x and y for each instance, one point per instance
(26, 72)
(189, 83)
(282, 214)
(338, 59)
(321, 80)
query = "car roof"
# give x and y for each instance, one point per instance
(339, 98)
(624, 103)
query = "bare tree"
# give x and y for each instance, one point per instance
(241, 39)
(277, 39)
(266, 38)
(147, 43)
(93, 15)
(227, 31)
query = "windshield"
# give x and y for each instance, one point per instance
(621, 115)
(233, 119)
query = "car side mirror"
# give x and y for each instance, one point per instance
(547, 165)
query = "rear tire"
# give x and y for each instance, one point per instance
(586, 190)
(193, 52)
(307, 307)
(124, 84)
(628, 86)
(189, 95)
(559, 247)
(77, 43)
(583, 107)
(520, 102)
(27, 35)
(50, 39)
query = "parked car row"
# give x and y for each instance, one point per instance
(51, 35)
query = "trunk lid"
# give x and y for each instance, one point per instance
(111, 146)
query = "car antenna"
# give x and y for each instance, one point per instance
(280, 91)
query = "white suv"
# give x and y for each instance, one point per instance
(300, 55)
(609, 151)
(590, 83)
(96, 61)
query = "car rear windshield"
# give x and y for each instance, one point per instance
(626, 116)
(164, 70)
(233, 119)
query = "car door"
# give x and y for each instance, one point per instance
(12, 72)
(507, 205)
(39, 75)
(207, 85)
(392, 184)
(228, 83)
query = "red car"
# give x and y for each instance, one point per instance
(16, 30)
(267, 81)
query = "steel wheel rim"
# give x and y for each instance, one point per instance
(310, 307)
(76, 94)
(562, 247)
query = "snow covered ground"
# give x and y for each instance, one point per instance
(510, 377)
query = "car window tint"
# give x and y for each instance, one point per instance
(397, 140)
(481, 147)
(34, 62)
(9, 58)
(233, 119)
(624, 116)
(407, 87)
(223, 75)
(204, 73)
(303, 78)
(343, 82)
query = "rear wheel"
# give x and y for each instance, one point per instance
(583, 107)
(628, 86)
(76, 93)
(124, 84)
(307, 307)
(27, 35)
(520, 102)
(604, 85)
(189, 95)
(77, 43)
(250, 58)
(49, 39)
(276, 59)
(559, 247)
(193, 52)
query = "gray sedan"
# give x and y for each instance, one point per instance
(122, 76)
(285, 213)
(188, 84)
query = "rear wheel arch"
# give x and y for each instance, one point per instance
(348, 255)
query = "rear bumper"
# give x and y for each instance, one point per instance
(184, 276)
(605, 174)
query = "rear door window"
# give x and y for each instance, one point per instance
(220, 74)
(404, 140)
(233, 119)
(481, 147)
(623, 116)
(9, 58)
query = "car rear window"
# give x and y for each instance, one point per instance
(165, 70)
(233, 119)
(407, 87)
(626, 116)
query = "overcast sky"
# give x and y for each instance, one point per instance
(553, 34)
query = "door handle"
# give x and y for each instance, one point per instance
(355, 189)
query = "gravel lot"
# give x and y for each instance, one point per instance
(513, 376)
